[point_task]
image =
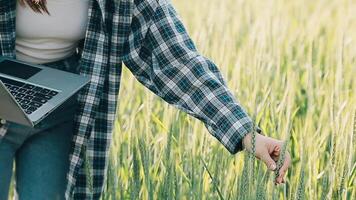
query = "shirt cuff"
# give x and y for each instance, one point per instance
(232, 139)
(230, 134)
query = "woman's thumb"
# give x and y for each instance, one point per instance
(266, 158)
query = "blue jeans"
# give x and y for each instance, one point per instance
(41, 154)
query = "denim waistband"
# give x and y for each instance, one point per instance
(69, 64)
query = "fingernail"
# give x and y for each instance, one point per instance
(273, 166)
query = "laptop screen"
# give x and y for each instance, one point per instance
(18, 70)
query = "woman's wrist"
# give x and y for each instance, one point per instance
(246, 141)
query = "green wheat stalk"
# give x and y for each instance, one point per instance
(89, 177)
(136, 174)
(213, 180)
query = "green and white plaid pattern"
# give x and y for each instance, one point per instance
(149, 37)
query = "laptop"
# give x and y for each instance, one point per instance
(29, 92)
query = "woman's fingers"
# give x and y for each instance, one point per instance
(284, 168)
(275, 153)
(267, 159)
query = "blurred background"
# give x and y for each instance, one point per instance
(292, 65)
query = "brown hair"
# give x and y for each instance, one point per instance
(39, 6)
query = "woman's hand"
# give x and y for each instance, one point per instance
(268, 150)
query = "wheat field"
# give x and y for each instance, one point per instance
(292, 65)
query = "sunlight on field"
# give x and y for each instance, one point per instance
(292, 64)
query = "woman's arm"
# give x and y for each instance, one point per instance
(163, 57)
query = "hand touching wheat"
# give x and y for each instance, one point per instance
(268, 150)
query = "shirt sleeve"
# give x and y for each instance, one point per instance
(162, 56)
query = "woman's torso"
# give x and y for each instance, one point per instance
(42, 38)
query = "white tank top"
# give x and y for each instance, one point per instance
(42, 38)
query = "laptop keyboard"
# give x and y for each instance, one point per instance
(30, 97)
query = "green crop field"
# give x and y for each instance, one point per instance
(292, 65)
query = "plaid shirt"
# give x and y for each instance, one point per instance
(150, 39)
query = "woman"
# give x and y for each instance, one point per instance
(150, 39)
